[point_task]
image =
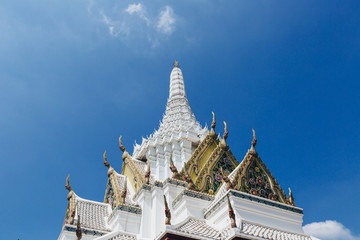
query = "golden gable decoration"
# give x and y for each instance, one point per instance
(252, 176)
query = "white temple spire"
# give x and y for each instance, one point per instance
(177, 135)
(177, 86)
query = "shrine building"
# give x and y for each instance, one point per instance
(183, 182)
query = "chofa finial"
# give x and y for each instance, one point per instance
(225, 135)
(67, 186)
(121, 146)
(78, 229)
(253, 143)
(231, 213)
(167, 212)
(176, 63)
(213, 124)
(173, 168)
(291, 198)
(106, 163)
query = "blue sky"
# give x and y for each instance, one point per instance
(74, 75)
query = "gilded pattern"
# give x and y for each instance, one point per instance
(193, 163)
(255, 178)
(137, 179)
(220, 164)
(257, 182)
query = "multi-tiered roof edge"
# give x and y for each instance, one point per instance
(183, 182)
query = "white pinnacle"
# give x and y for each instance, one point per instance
(178, 134)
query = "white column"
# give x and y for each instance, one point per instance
(167, 150)
(145, 202)
(185, 150)
(160, 162)
(176, 156)
(158, 212)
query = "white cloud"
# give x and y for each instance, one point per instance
(139, 10)
(166, 20)
(134, 8)
(116, 29)
(329, 230)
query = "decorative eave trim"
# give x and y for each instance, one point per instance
(176, 182)
(252, 198)
(193, 194)
(162, 185)
(86, 231)
(125, 208)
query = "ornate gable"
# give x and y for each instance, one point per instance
(221, 163)
(130, 169)
(201, 155)
(210, 162)
(202, 152)
(253, 177)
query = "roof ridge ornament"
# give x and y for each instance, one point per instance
(223, 143)
(121, 146)
(173, 168)
(291, 198)
(107, 164)
(70, 211)
(226, 179)
(231, 213)
(78, 229)
(253, 143)
(167, 212)
(68, 186)
(188, 179)
(213, 125)
(123, 149)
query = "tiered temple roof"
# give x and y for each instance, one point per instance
(183, 182)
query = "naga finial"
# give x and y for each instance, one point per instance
(167, 212)
(176, 64)
(78, 229)
(253, 143)
(231, 213)
(123, 193)
(213, 124)
(291, 198)
(106, 163)
(225, 135)
(67, 186)
(188, 178)
(121, 146)
(173, 168)
(147, 174)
